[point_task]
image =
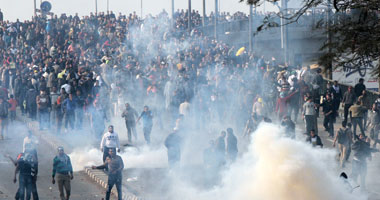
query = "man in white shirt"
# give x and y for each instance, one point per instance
(30, 143)
(110, 140)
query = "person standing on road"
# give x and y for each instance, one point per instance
(220, 146)
(361, 151)
(348, 100)
(374, 125)
(129, 115)
(27, 165)
(329, 113)
(309, 114)
(115, 166)
(12, 110)
(4, 105)
(232, 148)
(343, 137)
(147, 117)
(173, 145)
(357, 111)
(359, 87)
(30, 144)
(110, 140)
(43, 104)
(64, 170)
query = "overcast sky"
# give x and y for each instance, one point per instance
(23, 9)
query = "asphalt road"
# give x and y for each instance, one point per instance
(82, 188)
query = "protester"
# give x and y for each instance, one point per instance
(357, 111)
(115, 166)
(329, 113)
(374, 125)
(173, 146)
(309, 114)
(147, 117)
(27, 166)
(343, 137)
(290, 127)
(110, 140)
(348, 100)
(63, 169)
(12, 110)
(232, 145)
(129, 115)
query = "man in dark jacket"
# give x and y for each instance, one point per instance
(361, 152)
(173, 145)
(115, 166)
(31, 104)
(329, 113)
(232, 148)
(359, 87)
(64, 170)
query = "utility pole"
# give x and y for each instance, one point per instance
(96, 7)
(35, 8)
(108, 6)
(216, 20)
(141, 4)
(284, 30)
(250, 27)
(189, 16)
(173, 20)
(204, 13)
(329, 65)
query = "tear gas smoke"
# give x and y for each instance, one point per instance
(274, 167)
(143, 157)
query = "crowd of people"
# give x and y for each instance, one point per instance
(73, 73)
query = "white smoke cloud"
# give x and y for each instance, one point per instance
(275, 168)
(132, 158)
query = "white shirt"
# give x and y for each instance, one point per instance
(29, 143)
(184, 108)
(110, 140)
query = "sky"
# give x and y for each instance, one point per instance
(23, 9)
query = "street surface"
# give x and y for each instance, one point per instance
(82, 188)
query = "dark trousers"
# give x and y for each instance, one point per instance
(25, 186)
(147, 130)
(106, 153)
(112, 180)
(328, 123)
(357, 121)
(310, 123)
(79, 118)
(346, 108)
(43, 118)
(131, 128)
(69, 119)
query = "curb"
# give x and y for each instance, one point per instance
(97, 176)
(101, 178)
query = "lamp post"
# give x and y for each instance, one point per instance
(189, 16)
(216, 20)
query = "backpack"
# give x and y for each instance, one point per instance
(342, 136)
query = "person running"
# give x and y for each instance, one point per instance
(110, 140)
(147, 117)
(115, 166)
(343, 137)
(129, 115)
(63, 169)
